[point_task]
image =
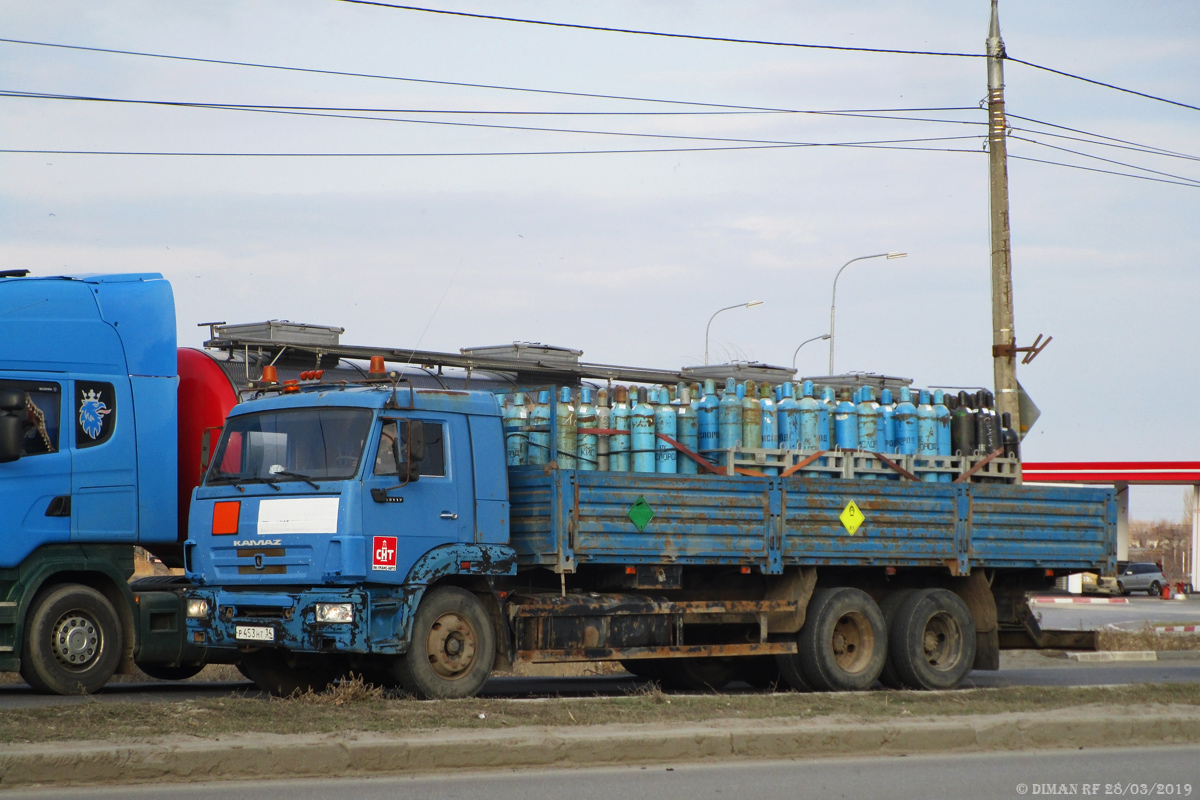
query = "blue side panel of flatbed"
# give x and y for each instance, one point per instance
(1033, 526)
(565, 518)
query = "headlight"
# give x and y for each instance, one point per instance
(335, 612)
(197, 608)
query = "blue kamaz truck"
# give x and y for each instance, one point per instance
(377, 528)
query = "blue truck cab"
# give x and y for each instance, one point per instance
(88, 433)
(328, 512)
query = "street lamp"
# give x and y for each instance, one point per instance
(833, 302)
(806, 341)
(751, 304)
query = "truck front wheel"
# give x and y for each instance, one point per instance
(843, 644)
(73, 641)
(452, 647)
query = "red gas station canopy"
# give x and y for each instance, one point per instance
(1144, 472)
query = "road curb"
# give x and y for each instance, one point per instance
(1113, 655)
(1051, 599)
(267, 756)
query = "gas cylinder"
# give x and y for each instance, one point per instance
(825, 419)
(987, 425)
(641, 433)
(707, 422)
(539, 435)
(868, 420)
(962, 427)
(567, 435)
(1008, 437)
(906, 424)
(516, 439)
(751, 417)
(770, 418)
(587, 444)
(666, 423)
(729, 419)
(926, 436)
(809, 412)
(618, 443)
(688, 433)
(941, 416)
(886, 435)
(740, 391)
(603, 422)
(846, 423)
(789, 418)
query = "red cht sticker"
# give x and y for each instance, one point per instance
(384, 553)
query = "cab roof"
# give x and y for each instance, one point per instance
(375, 397)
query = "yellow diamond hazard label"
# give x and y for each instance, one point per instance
(851, 517)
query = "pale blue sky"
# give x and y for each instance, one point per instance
(627, 256)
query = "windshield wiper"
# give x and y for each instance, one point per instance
(291, 474)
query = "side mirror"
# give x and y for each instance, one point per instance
(12, 434)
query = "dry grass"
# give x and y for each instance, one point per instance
(1145, 638)
(356, 706)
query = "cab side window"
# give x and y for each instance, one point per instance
(42, 413)
(434, 463)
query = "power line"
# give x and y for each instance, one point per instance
(429, 81)
(663, 34)
(1103, 171)
(1091, 81)
(1134, 145)
(1107, 160)
(196, 154)
(455, 124)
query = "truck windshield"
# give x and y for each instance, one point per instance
(303, 444)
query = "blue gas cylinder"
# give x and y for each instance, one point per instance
(770, 418)
(906, 424)
(587, 444)
(729, 419)
(846, 423)
(885, 436)
(516, 438)
(567, 435)
(707, 422)
(868, 420)
(641, 433)
(789, 417)
(810, 418)
(666, 422)
(618, 443)
(539, 434)
(941, 415)
(751, 417)
(825, 417)
(688, 432)
(740, 390)
(926, 436)
(603, 422)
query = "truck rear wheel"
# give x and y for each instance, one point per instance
(73, 641)
(274, 672)
(843, 644)
(932, 643)
(452, 648)
(888, 677)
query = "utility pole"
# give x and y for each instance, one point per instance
(1004, 361)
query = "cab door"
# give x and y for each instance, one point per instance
(403, 520)
(35, 490)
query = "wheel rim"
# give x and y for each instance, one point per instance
(942, 642)
(853, 642)
(451, 645)
(77, 641)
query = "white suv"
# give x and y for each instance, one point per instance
(1140, 576)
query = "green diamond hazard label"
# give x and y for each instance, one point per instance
(640, 513)
(851, 517)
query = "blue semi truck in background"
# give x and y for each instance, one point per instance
(368, 521)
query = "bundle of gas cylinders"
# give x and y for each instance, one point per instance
(660, 429)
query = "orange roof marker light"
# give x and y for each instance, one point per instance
(377, 366)
(270, 375)
(290, 387)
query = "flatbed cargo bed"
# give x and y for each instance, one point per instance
(563, 519)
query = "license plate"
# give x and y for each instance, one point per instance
(254, 633)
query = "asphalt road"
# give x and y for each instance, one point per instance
(1147, 772)
(1130, 616)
